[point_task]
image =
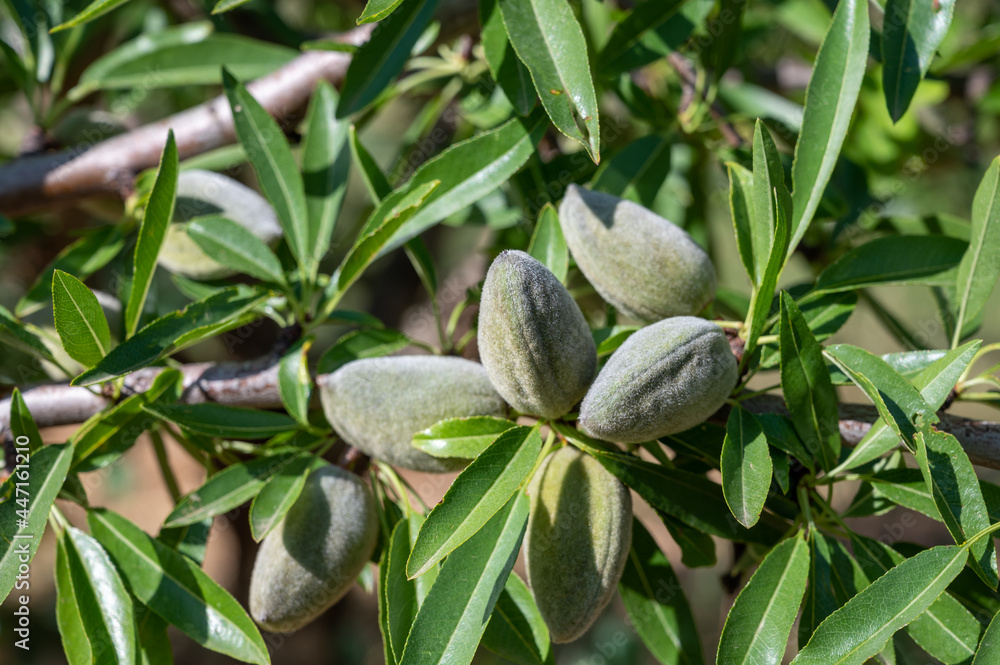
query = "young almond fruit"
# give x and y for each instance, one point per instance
(648, 268)
(378, 404)
(665, 378)
(201, 193)
(533, 339)
(314, 555)
(577, 542)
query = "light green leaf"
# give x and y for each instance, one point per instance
(549, 41)
(453, 617)
(920, 259)
(741, 208)
(808, 392)
(22, 425)
(175, 588)
(227, 309)
(760, 620)
(860, 629)
(94, 609)
(224, 421)
(294, 382)
(509, 72)
(227, 5)
(90, 12)
(461, 437)
(272, 161)
(326, 159)
(746, 467)
(279, 493)
(79, 320)
(516, 630)
(156, 219)
(235, 246)
(830, 98)
(26, 509)
(769, 194)
(656, 604)
(361, 344)
(482, 489)
(547, 243)
(379, 60)
(376, 10)
(980, 267)
(911, 33)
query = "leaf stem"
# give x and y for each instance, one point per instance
(168, 473)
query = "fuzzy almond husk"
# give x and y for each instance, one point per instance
(665, 378)
(648, 268)
(378, 404)
(533, 340)
(314, 555)
(577, 542)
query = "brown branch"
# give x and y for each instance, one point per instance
(109, 167)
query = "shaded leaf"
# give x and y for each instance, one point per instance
(361, 344)
(222, 420)
(236, 247)
(294, 382)
(548, 244)
(980, 267)
(507, 70)
(911, 34)
(516, 630)
(894, 260)
(745, 466)
(279, 493)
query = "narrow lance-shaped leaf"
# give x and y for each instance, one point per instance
(637, 172)
(23, 429)
(911, 33)
(86, 578)
(19, 335)
(361, 344)
(808, 391)
(453, 617)
(769, 194)
(989, 646)
(980, 267)
(233, 245)
(648, 32)
(760, 620)
(222, 420)
(860, 629)
(549, 41)
(741, 207)
(279, 493)
(294, 381)
(927, 259)
(517, 630)
(156, 219)
(89, 13)
(376, 10)
(401, 601)
(746, 466)
(656, 603)
(547, 243)
(375, 181)
(507, 70)
(461, 437)
(475, 496)
(763, 294)
(178, 590)
(272, 161)
(24, 513)
(830, 98)
(955, 487)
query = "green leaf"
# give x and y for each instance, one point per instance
(453, 617)
(760, 620)
(400, 593)
(482, 489)
(935, 382)
(547, 243)
(825, 315)
(272, 161)
(294, 382)
(637, 172)
(461, 437)
(517, 630)
(379, 60)
(653, 28)
(24, 513)
(235, 246)
(741, 208)
(922, 259)
(549, 41)
(980, 267)
(690, 497)
(769, 194)
(82, 258)
(905, 487)
(423, 264)
(834, 578)
(656, 604)
(509, 72)
(17, 334)
(697, 548)
(405, 204)
(90, 12)
(175, 588)
(911, 34)
(227, 309)
(224, 421)
(94, 610)
(227, 5)
(227, 489)
(376, 10)
(23, 429)
(746, 466)
(79, 320)
(989, 648)
(763, 294)
(830, 98)
(375, 181)
(279, 493)
(955, 487)
(326, 159)
(860, 629)
(361, 344)
(808, 392)
(186, 55)
(156, 219)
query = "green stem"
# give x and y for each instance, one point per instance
(168, 473)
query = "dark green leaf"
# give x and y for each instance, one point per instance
(980, 267)
(911, 34)
(224, 421)
(482, 489)
(697, 548)
(294, 382)
(376, 182)
(549, 41)
(516, 630)
(361, 344)
(175, 588)
(547, 243)
(509, 72)
(461, 437)
(79, 320)
(156, 219)
(746, 467)
(894, 260)
(637, 172)
(989, 648)
(235, 246)
(760, 620)
(22, 425)
(763, 294)
(769, 194)
(279, 493)
(423, 264)
(741, 190)
(400, 592)
(652, 29)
